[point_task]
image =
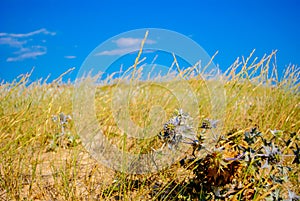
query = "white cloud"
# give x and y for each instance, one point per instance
(132, 42)
(12, 42)
(70, 57)
(22, 44)
(25, 56)
(26, 53)
(24, 35)
(119, 51)
(125, 45)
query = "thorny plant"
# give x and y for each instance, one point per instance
(220, 173)
(63, 137)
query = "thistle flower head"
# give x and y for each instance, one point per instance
(178, 129)
(272, 153)
(209, 123)
(64, 118)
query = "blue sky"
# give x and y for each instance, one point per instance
(53, 36)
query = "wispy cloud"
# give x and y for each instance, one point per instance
(12, 42)
(130, 42)
(119, 51)
(24, 35)
(70, 57)
(25, 53)
(125, 45)
(21, 44)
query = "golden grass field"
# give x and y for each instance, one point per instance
(42, 156)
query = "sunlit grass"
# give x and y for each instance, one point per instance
(41, 158)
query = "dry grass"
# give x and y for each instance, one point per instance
(37, 162)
